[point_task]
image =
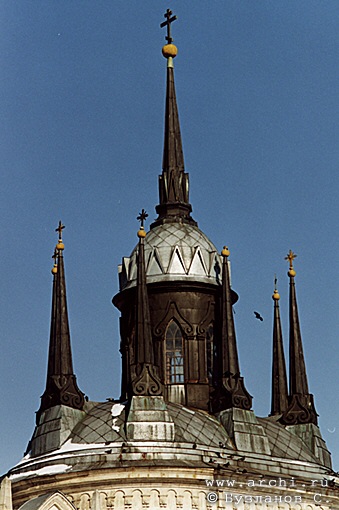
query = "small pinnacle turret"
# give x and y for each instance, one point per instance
(300, 402)
(174, 203)
(144, 374)
(230, 387)
(61, 385)
(279, 400)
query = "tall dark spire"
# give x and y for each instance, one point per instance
(174, 203)
(61, 385)
(230, 391)
(144, 374)
(301, 406)
(279, 378)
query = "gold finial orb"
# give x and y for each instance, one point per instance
(141, 233)
(54, 269)
(276, 295)
(169, 50)
(225, 252)
(60, 245)
(291, 272)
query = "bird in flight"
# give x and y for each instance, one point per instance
(258, 316)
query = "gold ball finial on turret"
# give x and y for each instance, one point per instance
(54, 269)
(290, 257)
(225, 252)
(141, 233)
(276, 295)
(169, 50)
(142, 217)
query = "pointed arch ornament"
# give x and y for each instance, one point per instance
(172, 313)
(55, 501)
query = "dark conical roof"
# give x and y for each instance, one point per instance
(301, 406)
(144, 375)
(279, 379)
(230, 387)
(61, 385)
(174, 203)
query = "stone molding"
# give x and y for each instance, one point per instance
(170, 489)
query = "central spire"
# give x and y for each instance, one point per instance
(174, 203)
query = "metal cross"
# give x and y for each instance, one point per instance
(291, 256)
(142, 217)
(167, 24)
(60, 229)
(55, 255)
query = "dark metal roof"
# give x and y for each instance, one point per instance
(61, 385)
(174, 203)
(279, 379)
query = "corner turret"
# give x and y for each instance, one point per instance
(279, 378)
(300, 402)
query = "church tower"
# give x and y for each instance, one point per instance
(190, 299)
(183, 434)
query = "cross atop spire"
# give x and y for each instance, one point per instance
(290, 257)
(55, 255)
(59, 229)
(167, 23)
(142, 217)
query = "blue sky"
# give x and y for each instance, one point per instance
(82, 104)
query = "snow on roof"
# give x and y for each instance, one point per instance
(116, 411)
(47, 470)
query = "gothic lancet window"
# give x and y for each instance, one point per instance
(210, 352)
(174, 354)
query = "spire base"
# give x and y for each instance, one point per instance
(61, 390)
(145, 381)
(231, 394)
(301, 410)
(173, 213)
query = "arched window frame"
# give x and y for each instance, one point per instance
(174, 354)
